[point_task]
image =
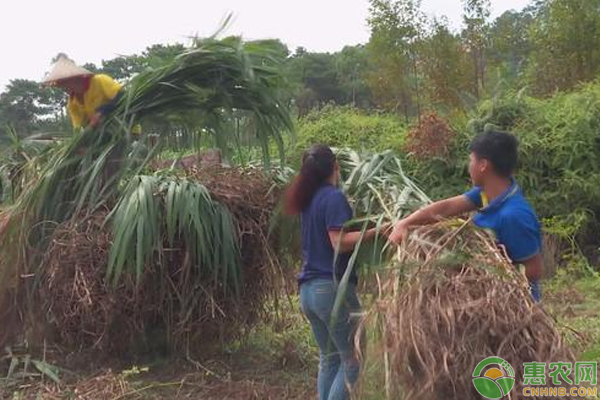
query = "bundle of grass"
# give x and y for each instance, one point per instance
(453, 302)
(84, 309)
(154, 221)
(252, 197)
(182, 261)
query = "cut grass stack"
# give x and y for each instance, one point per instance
(193, 290)
(159, 225)
(251, 197)
(74, 295)
(453, 302)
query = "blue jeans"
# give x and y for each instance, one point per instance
(339, 365)
(536, 290)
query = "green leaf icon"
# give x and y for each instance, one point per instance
(495, 383)
(506, 384)
(488, 388)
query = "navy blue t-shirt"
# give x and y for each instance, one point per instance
(328, 211)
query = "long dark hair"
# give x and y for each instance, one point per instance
(318, 164)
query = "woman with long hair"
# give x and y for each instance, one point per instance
(324, 210)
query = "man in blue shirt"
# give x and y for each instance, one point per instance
(499, 202)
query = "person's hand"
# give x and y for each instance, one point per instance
(399, 233)
(95, 121)
(385, 229)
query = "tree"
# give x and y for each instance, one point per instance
(321, 78)
(54, 103)
(316, 79)
(446, 66)
(159, 55)
(509, 43)
(122, 68)
(21, 106)
(566, 42)
(475, 16)
(280, 49)
(396, 29)
(318, 73)
(92, 68)
(352, 64)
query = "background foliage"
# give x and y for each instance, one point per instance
(531, 71)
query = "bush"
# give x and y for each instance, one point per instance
(559, 153)
(350, 128)
(430, 137)
(560, 150)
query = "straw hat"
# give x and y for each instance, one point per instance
(64, 68)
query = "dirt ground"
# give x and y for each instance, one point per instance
(277, 360)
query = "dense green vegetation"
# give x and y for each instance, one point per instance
(559, 168)
(349, 127)
(417, 91)
(410, 64)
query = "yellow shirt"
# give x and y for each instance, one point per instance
(102, 89)
(484, 200)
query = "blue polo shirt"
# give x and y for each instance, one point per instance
(515, 224)
(328, 211)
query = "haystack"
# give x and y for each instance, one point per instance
(88, 311)
(453, 302)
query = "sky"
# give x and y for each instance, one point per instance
(32, 32)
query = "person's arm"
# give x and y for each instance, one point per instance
(337, 214)
(432, 213)
(76, 117)
(110, 105)
(112, 91)
(348, 240)
(105, 109)
(534, 267)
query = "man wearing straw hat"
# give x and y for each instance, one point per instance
(91, 96)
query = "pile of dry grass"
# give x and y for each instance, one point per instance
(10, 295)
(86, 311)
(103, 386)
(453, 302)
(251, 197)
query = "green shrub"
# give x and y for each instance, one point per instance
(349, 128)
(559, 142)
(559, 160)
(560, 149)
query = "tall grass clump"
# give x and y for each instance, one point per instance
(169, 249)
(451, 300)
